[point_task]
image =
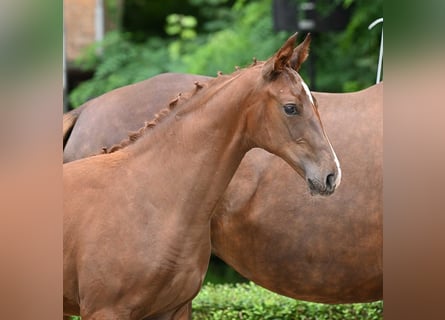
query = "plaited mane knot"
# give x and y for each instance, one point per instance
(254, 61)
(219, 73)
(133, 136)
(174, 101)
(198, 85)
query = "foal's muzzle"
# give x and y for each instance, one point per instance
(324, 189)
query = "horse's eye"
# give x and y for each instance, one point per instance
(291, 109)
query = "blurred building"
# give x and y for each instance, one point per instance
(79, 23)
(85, 21)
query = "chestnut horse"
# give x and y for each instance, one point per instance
(137, 219)
(266, 227)
(309, 248)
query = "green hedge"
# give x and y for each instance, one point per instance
(248, 301)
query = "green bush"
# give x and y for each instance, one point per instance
(248, 301)
(123, 62)
(346, 61)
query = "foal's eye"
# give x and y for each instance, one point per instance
(290, 109)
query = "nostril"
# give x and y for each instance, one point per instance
(330, 180)
(311, 184)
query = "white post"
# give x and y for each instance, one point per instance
(99, 22)
(379, 66)
(65, 80)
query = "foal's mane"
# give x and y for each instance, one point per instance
(178, 100)
(133, 136)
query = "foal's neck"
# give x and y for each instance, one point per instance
(191, 155)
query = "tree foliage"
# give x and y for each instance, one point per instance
(231, 37)
(248, 301)
(347, 61)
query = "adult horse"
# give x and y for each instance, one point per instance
(266, 226)
(137, 220)
(310, 248)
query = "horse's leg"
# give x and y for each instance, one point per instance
(182, 313)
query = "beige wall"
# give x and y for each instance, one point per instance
(79, 25)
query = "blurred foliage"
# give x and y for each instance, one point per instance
(219, 272)
(250, 35)
(181, 25)
(121, 62)
(113, 14)
(347, 61)
(248, 301)
(232, 33)
(147, 18)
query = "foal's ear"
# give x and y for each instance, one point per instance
(301, 52)
(280, 59)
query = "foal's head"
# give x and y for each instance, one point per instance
(285, 119)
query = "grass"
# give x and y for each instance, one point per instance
(247, 301)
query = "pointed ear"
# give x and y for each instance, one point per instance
(280, 59)
(301, 52)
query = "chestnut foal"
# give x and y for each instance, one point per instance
(137, 220)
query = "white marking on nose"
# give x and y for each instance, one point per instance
(337, 163)
(306, 89)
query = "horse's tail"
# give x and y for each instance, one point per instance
(69, 120)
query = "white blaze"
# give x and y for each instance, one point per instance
(337, 163)
(306, 89)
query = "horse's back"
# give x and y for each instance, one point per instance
(296, 240)
(109, 118)
(323, 249)
(69, 120)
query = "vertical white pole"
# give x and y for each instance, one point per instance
(379, 70)
(99, 22)
(65, 80)
(379, 66)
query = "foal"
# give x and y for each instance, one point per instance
(137, 220)
(344, 230)
(266, 226)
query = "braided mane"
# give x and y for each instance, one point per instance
(133, 136)
(181, 98)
